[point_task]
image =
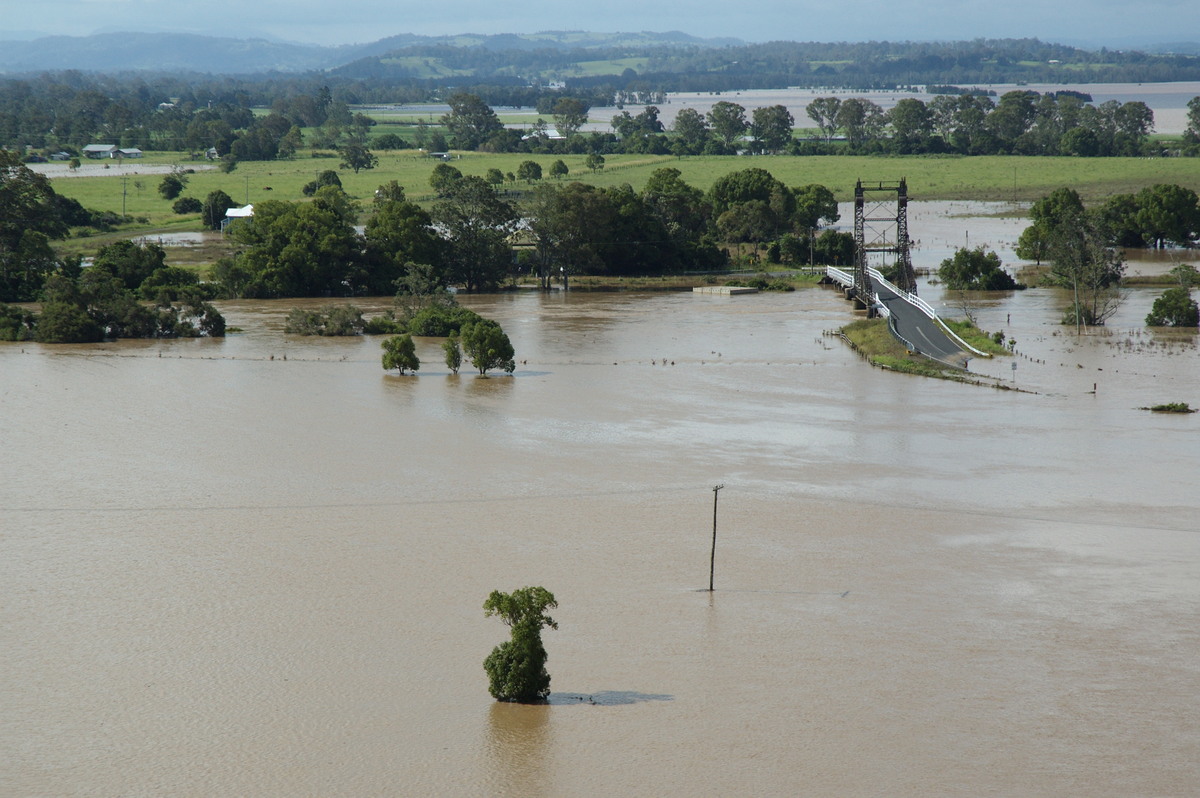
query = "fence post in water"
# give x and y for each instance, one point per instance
(712, 560)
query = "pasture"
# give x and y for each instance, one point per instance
(997, 178)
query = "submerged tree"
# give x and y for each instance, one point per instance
(488, 347)
(1175, 308)
(1083, 262)
(975, 270)
(452, 352)
(399, 352)
(516, 669)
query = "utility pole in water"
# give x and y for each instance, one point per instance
(712, 560)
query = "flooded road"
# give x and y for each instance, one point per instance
(256, 566)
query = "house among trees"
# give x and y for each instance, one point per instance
(100, 151)
(130, 152)
(233, 214)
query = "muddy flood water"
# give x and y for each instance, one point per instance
(256, 566)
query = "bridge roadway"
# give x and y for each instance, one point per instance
(916, 329)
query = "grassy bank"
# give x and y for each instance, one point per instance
(872, 339)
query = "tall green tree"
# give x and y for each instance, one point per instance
(1083, 262)
(529, 171)
(816, 206)
(302, 249)
(1168, 214)
(823, 111)
(476, 222)
(772, 127)
(443, 177)
(1059, 208)
(749, 184)
(860, 119)
(397, 234)
(356, 156)
(912, 124)
(452, 352)
(29, 218)
(516, 668)
(691, 132)
(215, 205)
(470, 121)
(569, 224)
(570, 114)
(727, 121)
(679, 206)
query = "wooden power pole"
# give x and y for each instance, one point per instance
(712, 560)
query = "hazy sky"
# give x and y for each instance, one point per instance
(1114, 23)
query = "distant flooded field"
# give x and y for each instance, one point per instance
(1168, 101)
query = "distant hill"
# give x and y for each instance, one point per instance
(1182, 48)
(181, 52)
(628, 62)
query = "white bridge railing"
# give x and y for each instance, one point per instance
(847, 279)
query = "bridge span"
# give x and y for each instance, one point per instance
(911, 319)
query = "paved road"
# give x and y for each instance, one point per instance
(918, 329)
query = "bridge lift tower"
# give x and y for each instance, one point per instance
(879, 229)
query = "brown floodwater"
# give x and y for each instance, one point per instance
(256, 566)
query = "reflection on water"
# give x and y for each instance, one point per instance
(518, 746)
(225, 572)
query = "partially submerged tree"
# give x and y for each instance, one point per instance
(975, 270)
(1085, 263)
(487, 346)
(516, 669)
(1175, 308)
(399, 352)
(453, 353)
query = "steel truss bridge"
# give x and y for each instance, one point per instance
(881, 233)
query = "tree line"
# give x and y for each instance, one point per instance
(475, 238)
(1082, 248)
(65, 116)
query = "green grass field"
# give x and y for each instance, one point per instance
(996, 178)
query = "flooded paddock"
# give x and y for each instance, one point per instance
(256, 566)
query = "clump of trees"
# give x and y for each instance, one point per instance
(329, 320)
(97, 306)
(1176, 308)
(1077, 243)
(128, 292)
(516, 668)
(467, 238)
(1156, 217)
(975, 270)
(16, 324)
